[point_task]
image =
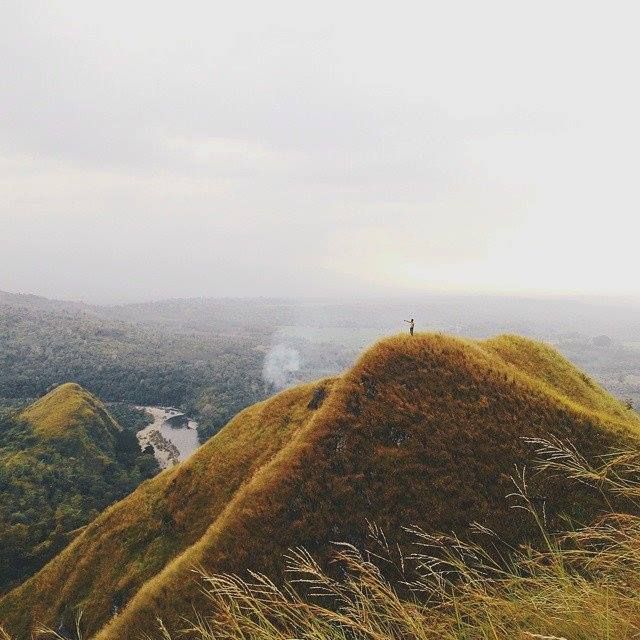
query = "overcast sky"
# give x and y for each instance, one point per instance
(152, 150)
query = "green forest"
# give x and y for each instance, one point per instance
(53, 482)
(210, 376)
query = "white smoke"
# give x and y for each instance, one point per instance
(280, 365)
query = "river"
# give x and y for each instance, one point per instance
(171, 444)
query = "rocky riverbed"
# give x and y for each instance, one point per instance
(173, 438)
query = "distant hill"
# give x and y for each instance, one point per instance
(421, 431)
(30, 301)
(70, 411)
(63, 459)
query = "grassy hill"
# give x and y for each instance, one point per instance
(63, 459)
(421, 431)
(70, 410)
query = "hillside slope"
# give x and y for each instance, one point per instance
(421, 430)
(62, 460)
(137, 537)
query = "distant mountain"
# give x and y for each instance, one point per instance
(63, 459)
(30, 301)
(476, 315)
(421, 431)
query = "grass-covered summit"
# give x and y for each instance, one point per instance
(421, 431)
(70, 409)
(62, 461)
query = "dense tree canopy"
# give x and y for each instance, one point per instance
(211, 376)
(51, 484)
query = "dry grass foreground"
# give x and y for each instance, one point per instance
(579, 585)
(423, 430)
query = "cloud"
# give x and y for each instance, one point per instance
(290, 149)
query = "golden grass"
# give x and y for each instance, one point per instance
(65, 408)
(582, 585)
(135, 538)
(550, 369)
(422, 430)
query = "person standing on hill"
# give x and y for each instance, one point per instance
(411, 325)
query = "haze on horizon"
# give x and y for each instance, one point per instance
(152, 150)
